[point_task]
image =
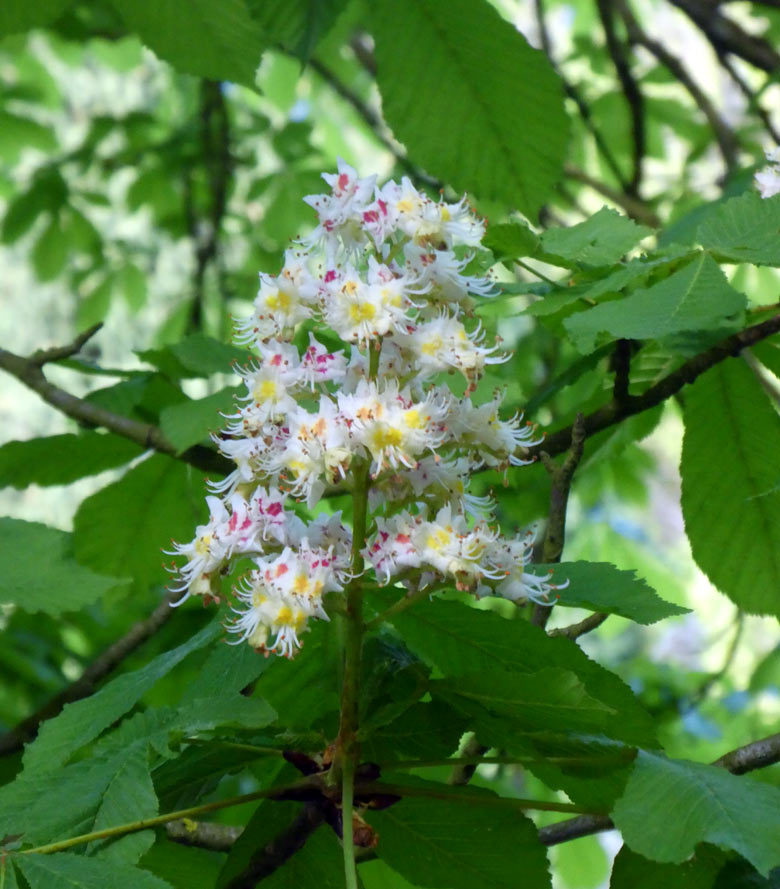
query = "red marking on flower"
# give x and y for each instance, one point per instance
(330, 276)
(382, 206)
(281, 569)
(275, 361)
(403, 538)
(343, 181)
(274, 509)
(371, 216)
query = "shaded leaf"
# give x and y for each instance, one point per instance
(632, 871)
(18, 15)
(603, 239)
(672, 805)
(731, 485)
(40, 572)
(65, 870)
(61, 459)
(511, 240)
(744, 229)
(476, 126)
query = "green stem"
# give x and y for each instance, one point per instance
(145, 823)
(457, 795)
(402, 604)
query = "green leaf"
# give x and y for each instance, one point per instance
(470, 99)
(218, 41)
(189, 422)
(511, 240)
(18, 133)
(48, 192)
(460, 845)
(424, 731)
(744, 229)
(196, 356)
(82, 721)
(731, 485)
(125, 526)
(129, 796)
(672, 805)
(40, 573)
(632, 871)
(600, 586)
(64, 870)
(8, 873)
(132, 284)
(18, 15)
(459, 640)
(697, 297)
(183, 865)
(548, 700)
(50, 252)
(603, 239)
(61, 459)
(296, 25)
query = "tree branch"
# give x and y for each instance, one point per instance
(203, 834)
(756, 755)
(613, 412)
(29, 372)
(84, 686)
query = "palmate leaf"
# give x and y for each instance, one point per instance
(197, 355)
(743, 229)
(600, 586)
(190, 422)
(460, 845)
(61, 459)
(670, 806)
(460, 640)
(696, 297)
(82, 721)
(65, 870)
(731, 485)
(470, 99)
(633, 871)
(40, 572)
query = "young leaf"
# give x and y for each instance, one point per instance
(460, 845)
(477, 126)
(697, 297)
(65, 870)
(124, 526)
(82, 721)
(672, 805)
(40, 573)
(61, 459)
(603, 239)
(731, 485)
(600, 586)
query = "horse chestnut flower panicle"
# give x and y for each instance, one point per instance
(380, 273)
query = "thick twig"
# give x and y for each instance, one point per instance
(282, 847)
(58, 353)
(621, 364)
(612, 412)
(560, 485)
(470, 748)
(727, 36)
(29, 372)
(631, 91)
(574, 631)
(724, 135)
(104, 664)
(756, 755)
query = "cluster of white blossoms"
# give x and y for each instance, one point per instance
(768, 179)
(353, 337)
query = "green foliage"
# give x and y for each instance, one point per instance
(47, 578)
(438, 843)
(491, 119)
(64, 870)
(671, 805)
(603, 587)
(732, 436)
(603, 239)
(189, 422)
(743, 229)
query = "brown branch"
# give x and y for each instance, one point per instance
(561, 479)
(756, 755)
(29, 372)
(614, 412)
(631, 91)
(282, 847)
(724, 135)
(574, 631)
(634, 207)
(104, 664)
